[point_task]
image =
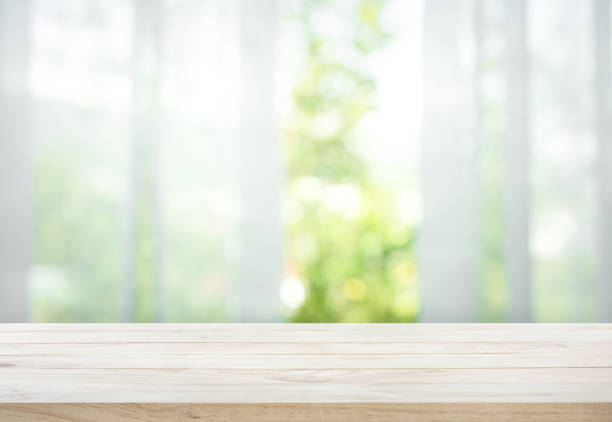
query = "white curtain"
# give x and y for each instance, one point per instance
(516, 161)
(153, 170)
(142, 168)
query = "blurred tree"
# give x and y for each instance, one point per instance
(347, 243)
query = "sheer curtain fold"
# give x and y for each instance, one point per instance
(261, 249)
(603, 119)
(517, 191)
(143, 172)
(15, 160)
(448, 237)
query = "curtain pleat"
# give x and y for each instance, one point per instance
(603, 121)
(15, 160)
(448, 238)
(261, 246)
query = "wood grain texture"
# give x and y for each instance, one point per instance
(300, 412)
(257, 372)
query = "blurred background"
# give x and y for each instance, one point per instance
(305, 160)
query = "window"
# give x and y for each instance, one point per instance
(350, 160)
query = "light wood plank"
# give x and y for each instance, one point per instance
(169, 376)
(344, 361)
(365, 372)
(297, 348)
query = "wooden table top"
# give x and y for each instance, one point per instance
(256, 372)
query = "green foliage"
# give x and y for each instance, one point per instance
(346, 241)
